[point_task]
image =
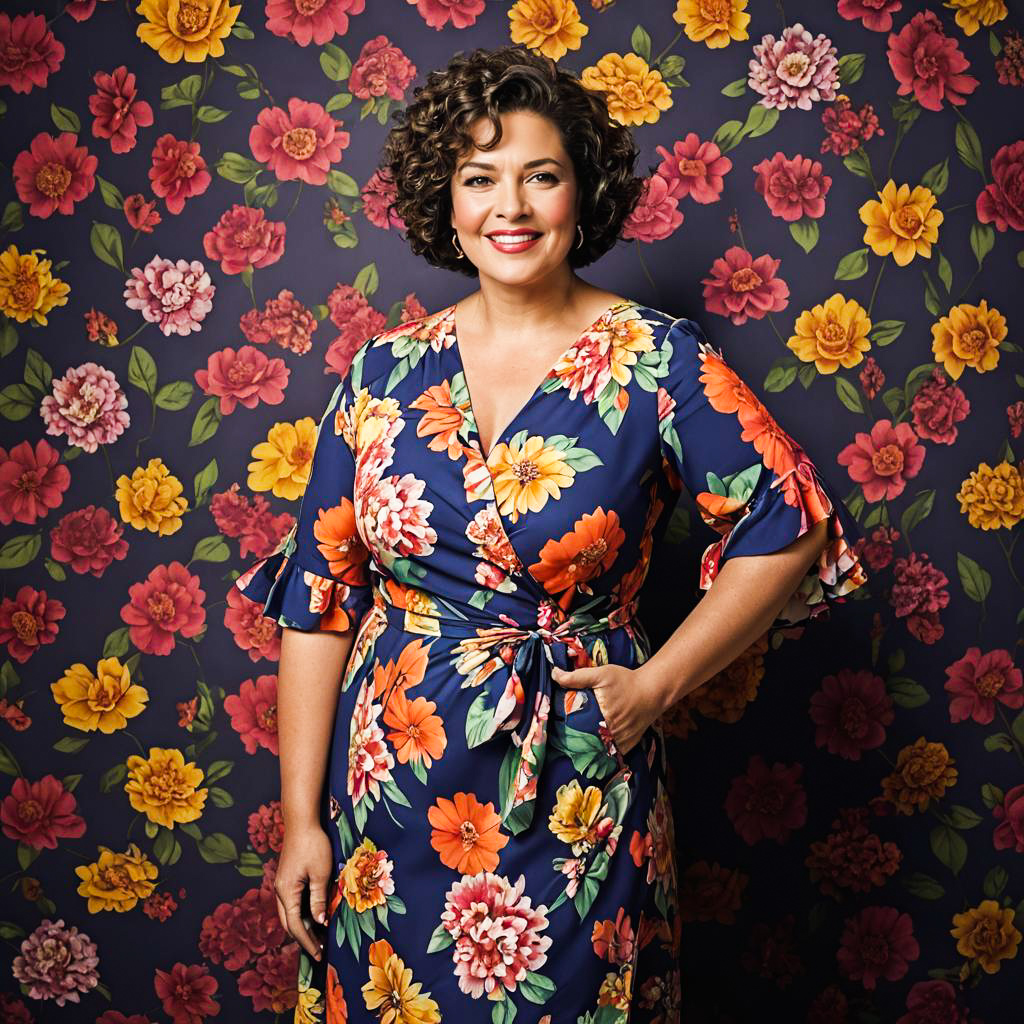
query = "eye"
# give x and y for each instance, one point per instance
(483, 177)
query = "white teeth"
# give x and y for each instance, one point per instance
(510, 239)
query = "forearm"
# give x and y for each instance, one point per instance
(745, 598)
(308, 683)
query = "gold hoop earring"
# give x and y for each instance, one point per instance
(456, 244)
(579, 245)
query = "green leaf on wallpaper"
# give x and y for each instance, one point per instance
(19, 551)
(343, 184)
(9, 678)
(923, 886)
(17, 401)
(848, 394)
(237, 168)
(1017, 727)
(671, 66)
(242, 31)
(851, 67)
(640, 43)
(906, 693)
(335, 62)
(917, 511)
(111, 193)
(106, 243)
(968, 146)
(937, 178)
(117, 643)
(963, 817)
(991, 795)
(37, 373)
(27, 854)
(233, 69)
(885, 332)
(976, 581)
(217, 848)
(931, 296)
(852, 265)
(112, 776)
(345, 236)
(142, 370)
(945, 271)
(760, 121)
(70, 744)
(207, 420)
(211, 115)
(995, 882)
(338, 101)
(998, 741)
(805, 233)
(367, 280)
(780, 376)
(8, 762)
(211, 549)
(64, 119)
(55, 569)
(1020, 259)
(181, 94)
(204, 481)
(174, 396)
(949, 847)
(12, 219)
(260, 195)
(905, 112)
(221, 797)
(737, 88)
(983, 237)
(995, 47)
(728, 135)
(383, 106)
(367, 108)
(858, 162)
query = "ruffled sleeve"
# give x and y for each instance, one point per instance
(751, 482)
(319, 575)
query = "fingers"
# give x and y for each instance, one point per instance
(293, 925)
(318, 897)
(577, 679)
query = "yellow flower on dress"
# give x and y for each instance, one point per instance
(393, 993)
(713, 22)
(552, 27)
(193, 29)
(309, 1007)
(972, 13)
(993, 498)
(28, 290)
(617, 989)
(904, 223)
(117, 881)
(163, 786)
(526, 475)
(635, 92)
(968, 336)
(284, 460)
(151, 499)
(986, 933)
(832, 334)
(575, 816)
(923, 771)
(103, 701)
(366, 877)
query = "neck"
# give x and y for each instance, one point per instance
(523, 309)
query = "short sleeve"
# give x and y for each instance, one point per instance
(318, 577)
(751, 482)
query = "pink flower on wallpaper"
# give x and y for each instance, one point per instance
(186, 993)
(57, 963)
(39, 813)
(381, 69)
(169, 601)
(250, 519)
(976, 681)
(239, 930)
(694, 169)
(266, 827)
(877, 942)
(851, 711)
(253, 712)
(14, 1011)
(28, 621)
(243, 239)
(767, 803)
(933, 1002)
(377, 196)
(792, 188)
(177, 172)
(740, 286)
(306, 23)
(412, 308)
(81, 10)
(437, 13)
(88, 539)
(1009, 833)
(176, 296)
(656, 214)
(255, 633)
(851, 856)
(350, 311)
(247, 377)
(918, 594)
(937, 406)
(141, 213)
(847, 128)
(31, 51)
(54, 174)
(878, 546)
(929, 64)
(32, 481)
(1003, 200)
(795, 70)
(875, 15)
(119, 111)
(284, 320)
(883, 460)
(301, 144)
(270, 982)
(87, 406)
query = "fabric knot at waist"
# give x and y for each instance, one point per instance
(511, 666)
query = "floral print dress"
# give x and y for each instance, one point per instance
(496, 857)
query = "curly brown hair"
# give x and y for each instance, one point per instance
(431, 134)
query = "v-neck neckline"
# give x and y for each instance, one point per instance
(501, 437)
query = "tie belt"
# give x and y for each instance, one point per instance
(520, 703)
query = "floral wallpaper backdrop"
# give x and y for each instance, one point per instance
(196, 240)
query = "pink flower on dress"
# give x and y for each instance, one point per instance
(245, 377)
(169, 601)
(54, 174)
(795, 70)
(253, 712)
(496, 931)
(929, 64)
(740, 286)
(306, 23)
(396, 517)
(88, 539)
(1009, 833)
(377, 195)
(369, 760)
(437, 13)
(29, 621)
(976, 681)
(381, 69)
(1003, 200)
(119, 111)
(283, 320)
(174, 296)
(39, 813)
(32, 481)
(792, 188)
(178, 171)
(87, 406)
(851, 711)
(767, 803)
(186, 993)
(656, 214)
(877, 942)
(875, 15)
(301, 144)
(695, 169)
(31, 51)
(57, 963)
(883, 460)
(243, 239)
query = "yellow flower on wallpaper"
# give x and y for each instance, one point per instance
(551, 27)
(924, 771)
(993, 498)
(104, 701)
(163, 786)
(972, 13)
(284, 460)
(28, 289)
(832, 334)
(968, 336)
(986, 933)
(713, 22)
(636, 93)
(117, 881)
(193, 29)
(150, 499)
(904, 223)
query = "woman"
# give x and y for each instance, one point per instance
(488, 487)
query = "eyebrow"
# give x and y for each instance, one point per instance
(530, 163)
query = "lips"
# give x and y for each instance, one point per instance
(501, 236)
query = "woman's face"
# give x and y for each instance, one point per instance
(525, 184)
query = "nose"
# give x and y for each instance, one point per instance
(509, 201)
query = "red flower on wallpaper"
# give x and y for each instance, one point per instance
(767, 803)
(167, 602)
(243, 239)
(29, 621)
(381, 69)
(284, 320)
(883, 460)
(186, 993)
(239, 930)
(875, 15)
(877, 942)
(270, 982)
(694, 169)
(88, 539)
(247, 377)
(741, 287)
(31, 51)
(118, 109)
(851, 711)
(1009, 833)
(656, 214)
(54, 174)
(976, 681)
(255, 633)
(39, 813)
(301, 144)
(32, 481)
(938, 405)
(437, 13)
(177, 172)
(933, 1002)
(929, 64)
(377, 195)
(349, 310)
(1003, 200)
(141, 213)
(306, 23)
(792, 188)
(253, 712)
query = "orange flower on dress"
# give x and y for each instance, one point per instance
(440, 421)
(408, 670)
(340, 543)
(466, 833)
(580, 555)
(417, 733)
(337, 1009)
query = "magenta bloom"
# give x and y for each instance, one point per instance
(884, 460)
(88, 539)
(656, 214)
(306, 23)
(381, 69)
(976, 681)
(437, 13)
(243, 239)
(29, 621)
(174, 296)
(877, 942)
(928, 63)
(741, 287)
(875, 15)
(283, 320)
(169, 601)
(119, 111)
(767, 803)
(1003, 200)
(300, 144)
(57, 963)
(247, 376)
(1009, 833)
(32, 481)
(178, 171)
(54, 174)
(39, 813)
(851, 711)
(31, 51)
(796, 70)
(792, 188)
(253, 712)
(695, 169)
